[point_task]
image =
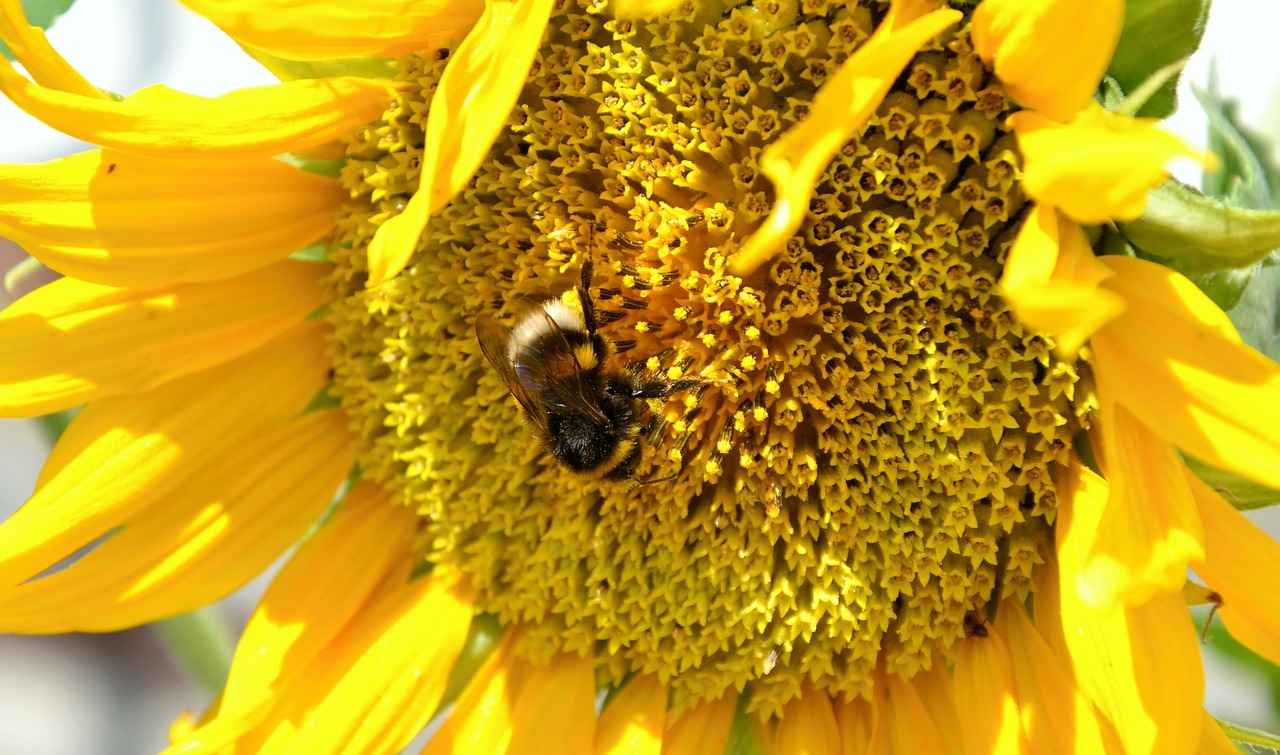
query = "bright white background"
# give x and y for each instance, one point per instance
(117, 694)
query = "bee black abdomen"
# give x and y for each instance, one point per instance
(581, 444)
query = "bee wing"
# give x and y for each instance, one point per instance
(556, 371)
(494, 337)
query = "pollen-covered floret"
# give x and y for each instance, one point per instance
(879, 459)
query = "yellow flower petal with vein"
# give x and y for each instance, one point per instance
(208, 536)
(126, 220)
(1048, 54)
(701, 729)
(556, 710)
(936, 688)
(314, 596)
(481, 721)
(1098, 167)
(1242, 565)
(985, 692)
(470, 106)
(258, 121)
(904, 724)
(1052, 279)
(854, 719)
(1140, 664)
(122, 455)
(379, 682)
(1056, 716)
(1178, 364)
(1150, 529)
(30, 48)
(324, 29)
(70, 342)
(633, 722)
(796, 159)
(808, 727)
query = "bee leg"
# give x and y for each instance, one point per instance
(584, 297)
(656, 387)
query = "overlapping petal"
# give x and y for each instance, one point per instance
(334, 29)
(808, 726)
(985, 691)
(904, 723)
(257, 121)
(126, 220)
(70, 342)
(634, 721)
(482, 719)
(1175, 361)
(1048, 54)
(470, 106)
(32, 49)
(701, 729)
(795, 161)
(1098, 167)
(556, 710)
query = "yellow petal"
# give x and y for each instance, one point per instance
(936, 688)
(482, 719)
(258, 121)
(1056, 716)
(701, 729)
(205, 539)
(317, 592)
(1052, 280)
(1097, 168)
(377, 684)
(1140, 664)
(1049, 54)
(32, 49)
(468, 110)
(808, 727)
(1213, 741)
(1150, 529)
(839, 110)
(904, 724)
(986, 696)
(556, 711)
(644, 8)
(855, 722)
(633, 721)
(1180, 367)
(124, 454)
(126, 220)
(71, 342)
(1242, 565)
(323, 29)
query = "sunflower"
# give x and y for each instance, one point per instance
(928, 497)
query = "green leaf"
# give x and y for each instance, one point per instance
(1241, 179)
(1198, 234)
(1239, 492)
(1245, 736)
(1156, 34)
(1257, 316)
(40, 13)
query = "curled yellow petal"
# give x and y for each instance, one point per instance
(470, 106)
(556, 711)
(261, 121)
(209, 535)
(315, 595)
(324, 29)
(841, 107)
(32, 49)
(633, 722)
(1140, 664)
(1096, 168)
(121, 219)
(1052, 280)
(1049, 54)
(1150, 529)
(71, 342)
(1242, 565)
(808, 726)
(1179, 366)
(124, 454)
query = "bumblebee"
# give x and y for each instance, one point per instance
(587, 411)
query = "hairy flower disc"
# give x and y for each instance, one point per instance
(878, 463)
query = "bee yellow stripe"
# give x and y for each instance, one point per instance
(126, 220)
(325, 29)
(259, 121)
(71, 342)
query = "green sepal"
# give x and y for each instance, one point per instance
(1253, 738)
(326, 168)
(292, 70)
(1237, 491)
(1197, 234)
(742, 732)
(1156, 34)
(41, 13)
(482, 637)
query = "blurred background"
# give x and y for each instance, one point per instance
(117, 694)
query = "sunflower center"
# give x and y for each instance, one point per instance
(873, 464)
